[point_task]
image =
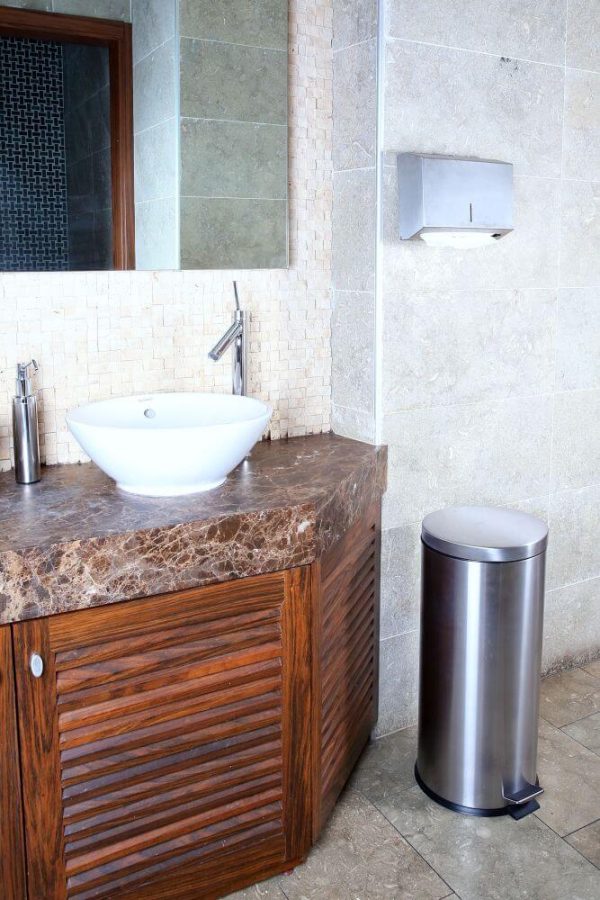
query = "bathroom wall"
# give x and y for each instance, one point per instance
(486, 373)
(102, 334)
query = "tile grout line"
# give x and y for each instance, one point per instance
(456, 49)
(577, 830)
(404, 838)
(563, 838)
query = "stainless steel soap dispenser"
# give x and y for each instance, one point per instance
(25, 426)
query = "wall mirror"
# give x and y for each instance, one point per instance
(143, 134)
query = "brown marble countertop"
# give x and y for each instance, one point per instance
(74, 540)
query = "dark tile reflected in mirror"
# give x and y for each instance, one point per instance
(55, 158)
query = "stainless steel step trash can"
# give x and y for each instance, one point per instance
(481, 639)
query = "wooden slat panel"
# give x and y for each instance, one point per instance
(230, 861)
(243, 861)
(154, 661)
(347, 638)
(259, 680)
(150, 615)
(197, 678)
(171, 797)
(172, 836)
(251, 751)
(12, 848)
(168, 855)
(149, 827)
(207, 728)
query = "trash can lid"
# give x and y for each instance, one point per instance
(484, 533)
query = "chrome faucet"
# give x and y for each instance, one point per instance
(235, 337)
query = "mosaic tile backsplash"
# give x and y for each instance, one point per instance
(102, 334)
(33, 185)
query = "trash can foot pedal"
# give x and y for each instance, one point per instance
(520, 810)
(524, 795)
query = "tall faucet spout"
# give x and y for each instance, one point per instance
(225, 342)
(235, 337)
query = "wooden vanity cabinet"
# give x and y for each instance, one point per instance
(187, 745)
(162, 747)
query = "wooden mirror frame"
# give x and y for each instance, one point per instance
(116, 36)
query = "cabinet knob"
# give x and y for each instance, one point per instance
(36, 664)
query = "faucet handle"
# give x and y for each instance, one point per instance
(235, 294)
(22, 368)
(23, 381)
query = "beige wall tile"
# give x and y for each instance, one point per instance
(358, 424)
(571, 623)
(355, 104)
(469, 104)
(583, 34)
(263, 24)
(574, 550)
(490, 452)
(155, 87)
(354, 223)
(398, 674)
(581, 138)
(102, 9)
(580, 234)
(400, 580)
(353, 21)
(529, 29)
(459, 346)
(155, 152)
(576, 443)
(578, 339)
(353, 350)
(153, 23)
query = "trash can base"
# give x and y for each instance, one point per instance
(523, 809)
(456, 807)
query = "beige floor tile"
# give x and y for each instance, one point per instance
(586, 731)
(492, 859)
(587, 842)
(266, 890)
(570, 776)
(387, 765)
(569, 696)
(361, 857)
(593, 668)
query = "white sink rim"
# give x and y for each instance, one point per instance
(77, 415)
(146, 457)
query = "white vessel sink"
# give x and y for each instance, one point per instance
(165, 445)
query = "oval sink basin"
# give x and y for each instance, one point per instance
(166, 445)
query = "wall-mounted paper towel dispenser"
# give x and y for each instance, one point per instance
(447, 201)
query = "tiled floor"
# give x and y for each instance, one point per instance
(388, 841)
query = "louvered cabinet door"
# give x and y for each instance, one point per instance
(346, 680)
(158, 742)
(12, 849)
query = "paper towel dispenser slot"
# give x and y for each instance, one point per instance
(447, 201)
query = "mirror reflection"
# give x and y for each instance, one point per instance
(147, 134)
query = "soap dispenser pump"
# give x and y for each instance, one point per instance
(25, 426)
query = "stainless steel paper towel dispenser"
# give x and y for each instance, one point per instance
(450, 201)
